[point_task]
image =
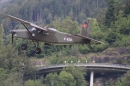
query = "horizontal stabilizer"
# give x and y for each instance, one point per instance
(92, 40)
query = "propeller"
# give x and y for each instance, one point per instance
(12, 32)
(12, 38)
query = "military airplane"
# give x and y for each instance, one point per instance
(51, 35)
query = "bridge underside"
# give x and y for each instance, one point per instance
(93, 70)
(87, 69)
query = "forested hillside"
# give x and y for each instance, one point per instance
(111, 25)
(47, 10)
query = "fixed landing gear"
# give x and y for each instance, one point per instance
(24, 46)
(37, 51)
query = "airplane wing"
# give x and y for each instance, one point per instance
(23, 22)
(92, 40)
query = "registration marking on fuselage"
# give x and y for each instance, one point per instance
(68, 39)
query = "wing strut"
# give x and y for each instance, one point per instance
(28, 31)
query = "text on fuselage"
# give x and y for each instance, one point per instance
(68, 39)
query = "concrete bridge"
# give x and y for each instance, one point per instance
(89, 68)
(96, 67)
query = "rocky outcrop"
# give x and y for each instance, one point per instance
(111, 55)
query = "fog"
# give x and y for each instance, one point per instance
(3, 2)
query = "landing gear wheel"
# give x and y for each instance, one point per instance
(24, 46)
(38, 50)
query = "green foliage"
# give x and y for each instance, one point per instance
(1, 35)
(52, 78)
(123, 42)
(98, 34)
(67, 60)
(126, 8)
(63, 79)
(118, 34)
(78, 73)
(33, 83)
(66, 25)
(66, 79)
(124, 81)
(69, 76)
(45, 11)
(83, 49)
(100, 47)
(61, 60)
(3, 75)
(11, 64)
(118, 30)
(96, 31)
(124, 25)
(119, 83)
(112, 37)
(14, 79)
(111, 12)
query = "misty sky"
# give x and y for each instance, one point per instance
(2, 2)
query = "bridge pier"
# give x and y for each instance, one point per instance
(91, 78)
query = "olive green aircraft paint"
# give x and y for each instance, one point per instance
(51, 35)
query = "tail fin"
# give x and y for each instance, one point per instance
(86, 26)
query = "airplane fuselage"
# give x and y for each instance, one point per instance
(51, 36)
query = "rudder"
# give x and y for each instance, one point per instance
(86, 26)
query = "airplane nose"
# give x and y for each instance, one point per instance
(11, 31)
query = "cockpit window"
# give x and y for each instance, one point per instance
(52, 29)
(33, 29)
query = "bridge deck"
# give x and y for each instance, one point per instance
(96, 67)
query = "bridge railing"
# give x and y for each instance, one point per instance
(85, 65)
